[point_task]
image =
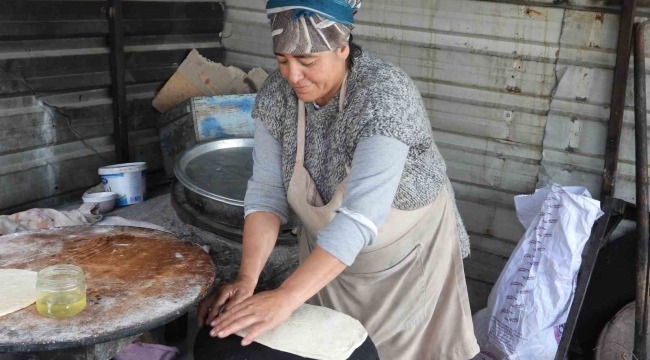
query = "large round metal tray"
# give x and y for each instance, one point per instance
(214, 178)
(189, 213)
(218, 170)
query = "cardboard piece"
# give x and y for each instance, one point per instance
(198, 76)
(237, 85)
(255, 78)
(176, 90)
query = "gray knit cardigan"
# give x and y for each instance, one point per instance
(381, 100)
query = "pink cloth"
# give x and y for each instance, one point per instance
(141, 351)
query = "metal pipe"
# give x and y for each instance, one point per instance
(618, 98)
(118, 87)
(641, 141)
(615, 126)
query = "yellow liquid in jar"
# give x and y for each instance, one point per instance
(61, 304)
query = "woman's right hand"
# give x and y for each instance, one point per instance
(228, 295)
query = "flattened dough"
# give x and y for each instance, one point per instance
(315, 332)
(17, 290)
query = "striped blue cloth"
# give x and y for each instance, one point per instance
(311, 26)
(340, 11)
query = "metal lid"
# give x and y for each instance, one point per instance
(218, 170)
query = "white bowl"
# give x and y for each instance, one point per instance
(106, 201)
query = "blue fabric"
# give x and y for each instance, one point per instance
(336, 10)
(298, 13)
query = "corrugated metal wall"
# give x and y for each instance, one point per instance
(577, 122)
(56, 119)
(517, 95)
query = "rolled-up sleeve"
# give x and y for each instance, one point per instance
(266, 190)
(376, 171)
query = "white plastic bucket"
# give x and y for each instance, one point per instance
(128, 180)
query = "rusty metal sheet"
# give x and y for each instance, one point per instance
(576, 131)
(486, 71)
(517, 95)
(137, 279)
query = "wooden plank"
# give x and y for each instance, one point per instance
(177, 26)
(29, 176)
(154, 180)
(13, 10)
(78, 173)
(56, 29)
(45, 129)
(118, 86)
(222, 117)
(175, 138)
(90, 63)
(59, 19)
(60, 47)
(173, 10)
(48, 10)
(142, 114)
(55, 74)
(49, 126)
(52, 48)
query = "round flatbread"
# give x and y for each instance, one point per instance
(17, 290)
(315, 332)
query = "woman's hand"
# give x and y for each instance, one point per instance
(267, 310)
(261, 312)
(227, 295)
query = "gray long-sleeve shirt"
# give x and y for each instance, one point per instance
(375, 174)
(381, 100)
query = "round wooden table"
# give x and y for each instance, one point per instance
(137, 279)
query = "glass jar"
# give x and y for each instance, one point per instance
(60, 291)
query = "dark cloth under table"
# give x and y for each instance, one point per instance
(209, 348)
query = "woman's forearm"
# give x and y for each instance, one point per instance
(260, 234)
(312, 275)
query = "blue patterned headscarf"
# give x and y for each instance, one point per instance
(310, 26)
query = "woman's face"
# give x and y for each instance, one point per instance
(315, 77)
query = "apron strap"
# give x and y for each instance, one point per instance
(300, 150)
(344, 92)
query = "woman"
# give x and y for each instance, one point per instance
(343, 140)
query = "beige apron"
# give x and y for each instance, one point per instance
(408, 289)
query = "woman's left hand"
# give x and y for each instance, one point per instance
(261, 312)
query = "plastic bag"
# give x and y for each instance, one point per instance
(531, 299)
(541, 346)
